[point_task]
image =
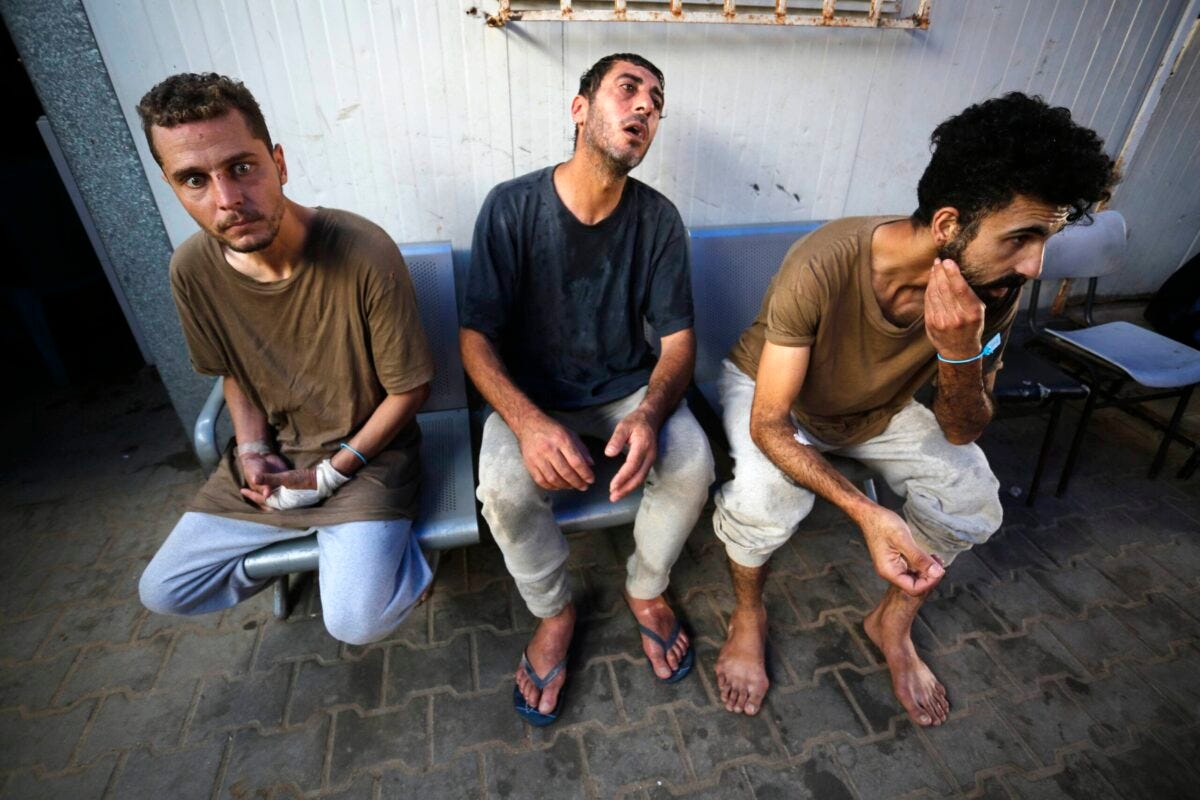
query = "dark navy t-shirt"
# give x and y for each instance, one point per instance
(565, 302)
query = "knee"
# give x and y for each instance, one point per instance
(357, 622)
(155, 591)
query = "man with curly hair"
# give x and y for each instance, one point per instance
(310, 316)
(862, 313)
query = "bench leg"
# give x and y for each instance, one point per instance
(282, 600)
(1047, 440)
(1172, 427)
(868, 488)
(1076, 441)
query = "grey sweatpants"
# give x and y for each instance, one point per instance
(951, 497)
(371, 573)
(519, 514)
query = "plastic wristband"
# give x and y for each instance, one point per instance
(989, 348)
(361, 457)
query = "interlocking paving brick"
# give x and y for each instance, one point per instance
(393, 737)
(812, 712)
(298, 638)
(80, 626)
(1047, 721)
(82, 782)
(1098, 639)
(1080, 587)
(22, 637)
(701, 616)
(806, 651)
(598, 592)
(413, 629)
(894, 766)
(1148, 770)
(103, 669)
(63, 586)
(592, 549)
(631, 756)
(976, 742)
(967, 571)
(715, 737)
(1181, 558)
(872, 691)
(1009, 550)
(1178, 678)
(415, 670)
(1019, 600)
(952, 618)
(1118, 701)
(485, 563)
(817, 778)
(1159, 622)
(199, 654)
(156, 624)
(1033, 655)
(488, 607)
(33, 684)
(733, 784)
(641, 691)
(498, 655)
(182, 774)
(602, 637)
(556, 771)
(256, 699)
(1137, 574)
(294, 756)
(469, 721)
(46, 739)
(588, 697)
(122, 722)
(320, 686)
(361, 789)
(820, 594)
(1064, 539)
(1079, 779)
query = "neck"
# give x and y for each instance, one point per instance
(588, 185)
(278, 260)
(902, 253)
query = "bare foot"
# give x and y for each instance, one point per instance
(742, 665)
(657, 616)
(547, 647)
(915, 685)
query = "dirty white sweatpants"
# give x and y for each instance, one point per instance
(951, 497)
(519, 514)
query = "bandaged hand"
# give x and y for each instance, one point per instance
(303, 487)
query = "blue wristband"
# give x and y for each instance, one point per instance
(361, 457)
(989, 348)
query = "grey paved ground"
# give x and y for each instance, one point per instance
(1069, 644)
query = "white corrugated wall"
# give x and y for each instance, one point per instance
(408, 111)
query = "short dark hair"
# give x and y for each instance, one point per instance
(191, 97)
(590, 81)
(1013, 145)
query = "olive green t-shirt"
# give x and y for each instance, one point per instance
(317, 353)
(862, 368)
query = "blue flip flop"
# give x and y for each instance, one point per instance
(530, 713)
(685, 663)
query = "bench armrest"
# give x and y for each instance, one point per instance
(204, 437)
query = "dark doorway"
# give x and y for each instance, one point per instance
(61, 323)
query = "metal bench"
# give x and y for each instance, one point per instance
(732, 266)
(447, 516)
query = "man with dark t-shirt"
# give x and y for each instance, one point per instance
(310, 316)
(567, 265)
(861, 314)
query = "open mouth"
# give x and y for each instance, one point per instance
(636, 130)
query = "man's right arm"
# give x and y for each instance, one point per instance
(250, 426)
(897, 559)
(554, 455)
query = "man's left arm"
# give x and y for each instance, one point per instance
(954, 319)
(638, 431)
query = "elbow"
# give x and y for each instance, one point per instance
(761, 428)
(962, 437)
(421, 394)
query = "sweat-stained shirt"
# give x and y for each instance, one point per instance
(317, 353)
(862, 368)
(565, 302)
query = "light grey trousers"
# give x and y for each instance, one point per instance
(371, 573)
(951, 497)
(519, 514)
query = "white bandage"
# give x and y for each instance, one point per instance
(329, 480)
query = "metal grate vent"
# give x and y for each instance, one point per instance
(910, 14)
